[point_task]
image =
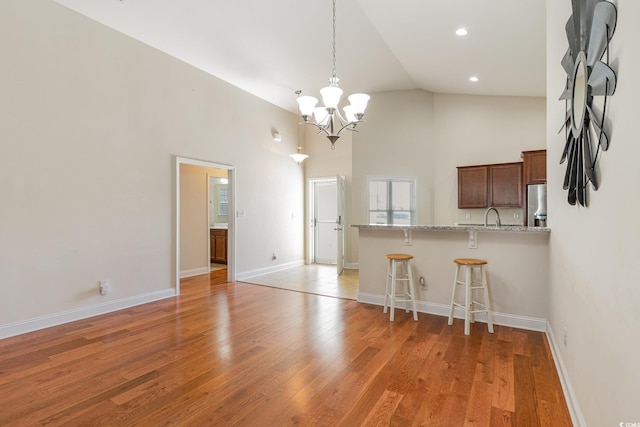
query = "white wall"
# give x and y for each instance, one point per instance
(396, 140)
(594, 255)
(90, 124)
(323, 162)
(416, 133)
(476, 130)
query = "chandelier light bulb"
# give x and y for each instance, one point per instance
(298, 157)
(321, 115)
(359, 102)
(306, 105)
(349, 114)
(331, 96)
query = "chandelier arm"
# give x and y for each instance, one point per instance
(350, 126)
(322, 128)
(341, 119)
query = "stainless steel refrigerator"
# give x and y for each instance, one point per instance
(537, 205)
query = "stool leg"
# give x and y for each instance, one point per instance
(467, 300)
(472, 315)
(453, 294)
(413, 294)
(487, 302)
(405, 276)
(387, 287)
(393, 289)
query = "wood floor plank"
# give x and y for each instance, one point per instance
(479, 407)
(526, 401)
(240, 354)
(503, 384)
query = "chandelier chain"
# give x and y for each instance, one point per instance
(334, 39)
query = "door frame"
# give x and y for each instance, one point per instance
(311, 197)
(231, 243)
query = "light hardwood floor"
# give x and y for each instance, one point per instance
(239, 354)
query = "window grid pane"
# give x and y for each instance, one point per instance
(392, 201)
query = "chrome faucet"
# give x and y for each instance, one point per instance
(486, 216)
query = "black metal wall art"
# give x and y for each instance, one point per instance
(589, 31)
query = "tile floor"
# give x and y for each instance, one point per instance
(215, 266)
(314, 279)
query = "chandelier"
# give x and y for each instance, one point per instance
(328, 118)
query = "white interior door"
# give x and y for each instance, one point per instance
(340, 223)
(325, 230)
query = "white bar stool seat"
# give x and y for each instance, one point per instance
(404, 275)
(471, 306)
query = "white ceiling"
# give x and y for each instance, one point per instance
(271, 48)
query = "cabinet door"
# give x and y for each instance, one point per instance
(505, 185)
(221, 249)
(212, 245)
(472, 187)
(535, 166)
(219, 246)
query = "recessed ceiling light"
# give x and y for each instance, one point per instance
(462, 31)
(473, 79)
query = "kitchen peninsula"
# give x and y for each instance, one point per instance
(517, 271)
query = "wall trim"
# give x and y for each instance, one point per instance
(569, 395)
(504, 319)
(42, 322)
(266, 270)
(194, 272)
(352, 266)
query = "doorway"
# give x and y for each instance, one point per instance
(204, 228)
(218, 218)
(326, 212)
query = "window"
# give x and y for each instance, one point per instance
(223, 200)
(392, 201)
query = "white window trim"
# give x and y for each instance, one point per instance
(414, 195)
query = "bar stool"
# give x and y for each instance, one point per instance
(391, 295)
(470, 284)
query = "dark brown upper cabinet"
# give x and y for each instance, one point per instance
(535, 166)
(482, 186)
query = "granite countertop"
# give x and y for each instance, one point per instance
(457, 227)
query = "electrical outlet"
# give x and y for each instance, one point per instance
(473, 240)
(516, 215)
(408, 241)
(274, 256)
(468, 215)
(423, 282)
(105, 288)
(564, 338)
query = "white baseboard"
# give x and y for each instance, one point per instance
(194, 272)
(266, 270)
(504, 319)
(569, 396)
(42, 322)
(352, 266)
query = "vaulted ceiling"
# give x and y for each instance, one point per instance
(272, 48)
